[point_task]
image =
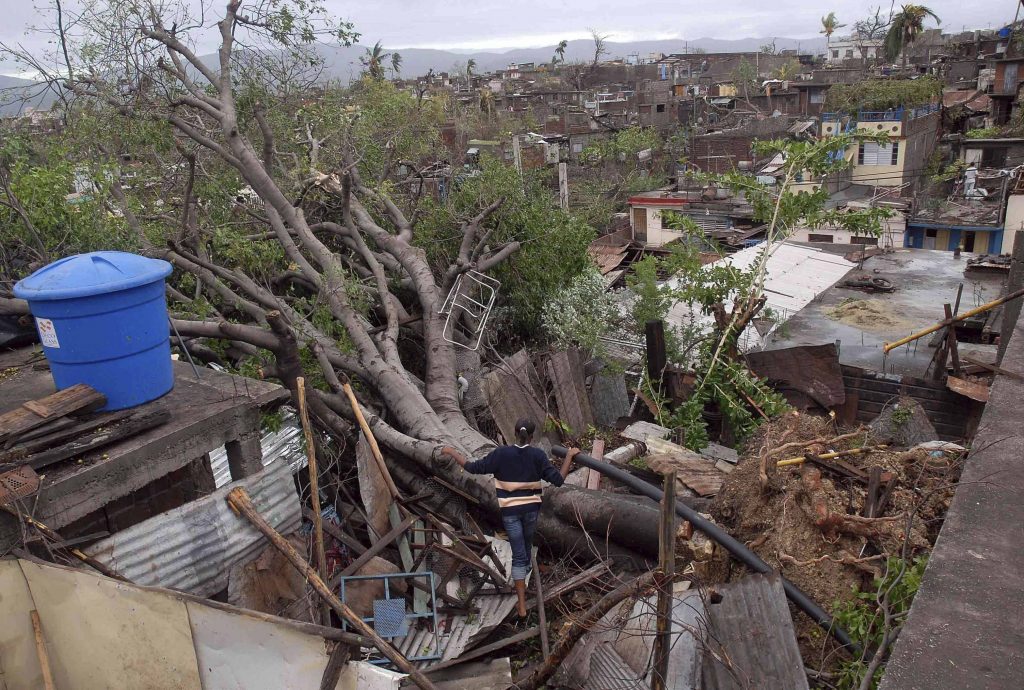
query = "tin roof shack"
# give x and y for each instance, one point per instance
(969, 217)
(115, 486)
(1005, 91)
(722, 216)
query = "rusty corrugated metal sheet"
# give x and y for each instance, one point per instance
(805, 375)
(753, 630)
(192, 548)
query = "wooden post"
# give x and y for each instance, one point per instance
(44, 657)
(314, 490)
(657, 357)
(394, 516)
(666, 576)
(563, 186)
(240, 502)
(517, 154)
(594, 477)
(541, 612)
(951, 341)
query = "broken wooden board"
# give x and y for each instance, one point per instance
(807, 375)
(751, 639)
(641, 431)
(512, 394)
(565, 371)
(702, 475)
(33, 413)
(970, 389)
(609, 399)
(695, 472)
(373, 490)
(133, 426)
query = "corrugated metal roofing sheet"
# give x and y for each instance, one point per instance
(193, 547)
(794, 276)
(462, 631)
(285, 443)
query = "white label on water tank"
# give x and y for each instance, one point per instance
(47, 333)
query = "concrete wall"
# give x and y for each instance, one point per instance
(868, 392)
(657, 234)
(893, 230)
(1014, 221)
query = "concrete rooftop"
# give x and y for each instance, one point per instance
(924, 281)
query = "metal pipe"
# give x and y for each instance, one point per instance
(948, 322)
(720, 536)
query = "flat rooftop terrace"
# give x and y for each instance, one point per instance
(863, 322)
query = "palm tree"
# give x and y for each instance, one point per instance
(829, 25)
(373, 61)
(487, 100)
(396, 63)
(906, 26)
(560, 52)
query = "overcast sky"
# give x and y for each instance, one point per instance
(495, 24)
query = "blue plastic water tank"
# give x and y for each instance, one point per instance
(102, 319)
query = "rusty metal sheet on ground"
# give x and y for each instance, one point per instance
(971, 389)
(805, 375)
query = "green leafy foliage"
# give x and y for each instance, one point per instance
(623, 145)
(862, 617)
(983, 133)
(580, 313)
(882, 94)
(553, 243)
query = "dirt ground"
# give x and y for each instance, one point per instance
(806, 520)
(869, 314)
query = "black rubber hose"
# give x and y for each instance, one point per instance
(720, 536)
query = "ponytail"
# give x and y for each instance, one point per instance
(524, 432)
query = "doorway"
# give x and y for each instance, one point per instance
(969, 242)
(929, 238)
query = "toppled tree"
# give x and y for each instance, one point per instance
(316, 268)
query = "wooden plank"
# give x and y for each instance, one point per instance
(77, 398)
(697, 474)
(594, 477)
(44, 657)
(951, 342)
(695, 471)
(64, 432)
(542, 614)
(512, 394)
(970, 389)
(377, 547)
(993, 368)
(485, 650)
(104, 437)
(570, 392)
(641, 431)
(667, 568)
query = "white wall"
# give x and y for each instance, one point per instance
(1014, 221)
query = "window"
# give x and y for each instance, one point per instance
(820, 238)
(661, 107)
(871, 153)
(873, 241)
(849, 52)
(817, 95)
(577, 147)
(835, 54)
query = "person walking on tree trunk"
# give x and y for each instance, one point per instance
(518, 471)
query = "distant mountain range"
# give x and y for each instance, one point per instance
(342, 63)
